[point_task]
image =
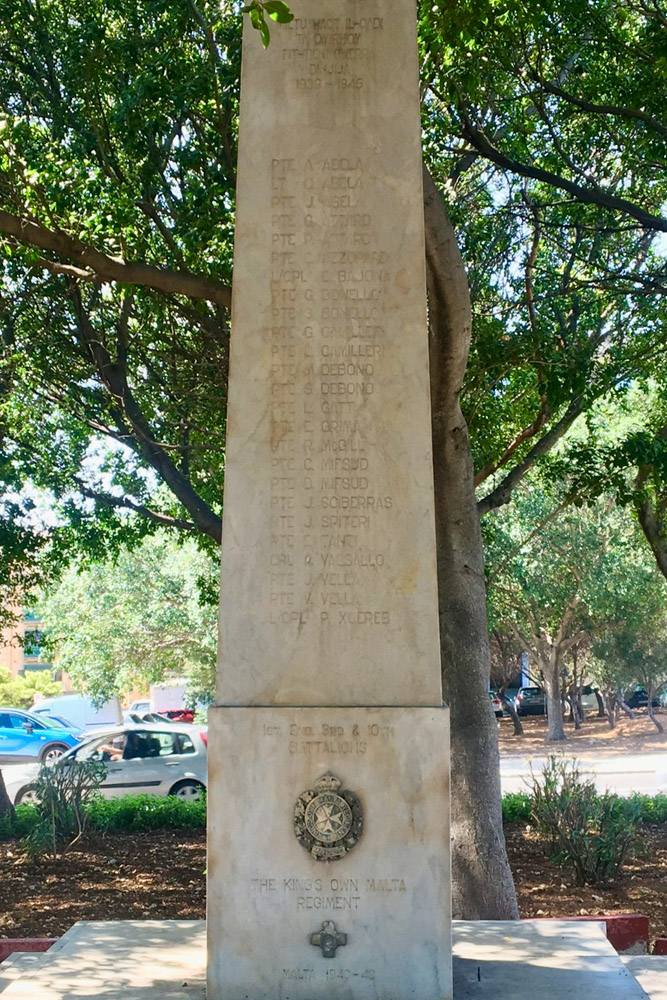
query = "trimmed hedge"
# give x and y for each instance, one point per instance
(152, 812)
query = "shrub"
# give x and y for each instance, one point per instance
(517, 807)
(594, 833)
(61, 790)
(145, 812)
(652, 808)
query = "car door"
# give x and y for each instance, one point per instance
(139, 771)
(17, 743)
(11, 744)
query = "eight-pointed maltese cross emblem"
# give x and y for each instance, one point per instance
(327, 822)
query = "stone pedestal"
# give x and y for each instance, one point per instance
(328, 751)
(373, 923)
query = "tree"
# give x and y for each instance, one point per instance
(557, 586)
(635, 652)
(506, 653)
(21, 690)
(117, 163)
(116, 625)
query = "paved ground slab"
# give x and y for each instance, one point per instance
(128, 959)
(650, 971)
(530, 960)
(498, 960)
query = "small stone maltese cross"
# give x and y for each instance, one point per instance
(328, 939)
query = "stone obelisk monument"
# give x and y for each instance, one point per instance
(328, 752)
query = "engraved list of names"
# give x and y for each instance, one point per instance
(328, 580)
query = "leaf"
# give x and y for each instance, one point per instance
(279, 11)
(265, 34)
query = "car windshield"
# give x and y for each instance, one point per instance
(49, 723)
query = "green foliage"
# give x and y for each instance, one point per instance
(593, 833)
(652, 808)
(517, 807)
(20, 691)
(116, 625)
(277, 11)
(21, 824)
(62, 790)
(145, 812)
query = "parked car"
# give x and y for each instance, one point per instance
(60, 719)
(589, 702)
(141, 706)
(24, 737)
(638, 698)
(497, 704)
(139, 718)
(530, 701)
(156, 760)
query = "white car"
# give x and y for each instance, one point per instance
(145, 759)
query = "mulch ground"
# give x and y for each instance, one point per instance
(129, 876)
(161, 874)
(546, 890)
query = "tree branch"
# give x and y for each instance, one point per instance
(590, 196)
(109, 500)
(114, 269)
(503, 491)
(140, 437)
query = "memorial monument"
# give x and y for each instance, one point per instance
(328, 747)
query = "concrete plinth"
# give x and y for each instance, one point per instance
(502, 960)
(275, 899)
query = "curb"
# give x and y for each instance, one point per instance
(627, 932)
(9, 945)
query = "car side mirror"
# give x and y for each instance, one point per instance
(28, 726)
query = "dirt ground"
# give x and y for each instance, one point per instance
(546, 890)
(161, 874)
(155, 874)
(594, 739)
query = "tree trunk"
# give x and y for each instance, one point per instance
(610, 707)
(509, 705)
(482, 880)
(551, 671)
(651, 711)
(601, 706)
(620, 700)
(6, 807)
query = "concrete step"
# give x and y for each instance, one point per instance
(650, 971)
(493, 960)
(16, 964)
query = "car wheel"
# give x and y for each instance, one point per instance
(190, 791)
(52, 752)
(26, 797)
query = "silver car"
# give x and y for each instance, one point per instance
(140, 759)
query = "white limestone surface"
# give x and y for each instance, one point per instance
(329, 590)
(389, 895)
(535, 959)
(119, 960)
(650, 971)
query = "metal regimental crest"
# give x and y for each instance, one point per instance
(328, 822)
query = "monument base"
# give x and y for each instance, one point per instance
(328, 854)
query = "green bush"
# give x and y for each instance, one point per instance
(145, 812)
(24, 820)
(517, 807)
(594, 833)
(652, 808)
(61, 790)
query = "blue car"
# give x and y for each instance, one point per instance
(24, 737)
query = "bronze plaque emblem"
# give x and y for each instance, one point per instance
(327, 821)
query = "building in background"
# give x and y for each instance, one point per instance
(21, 648)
